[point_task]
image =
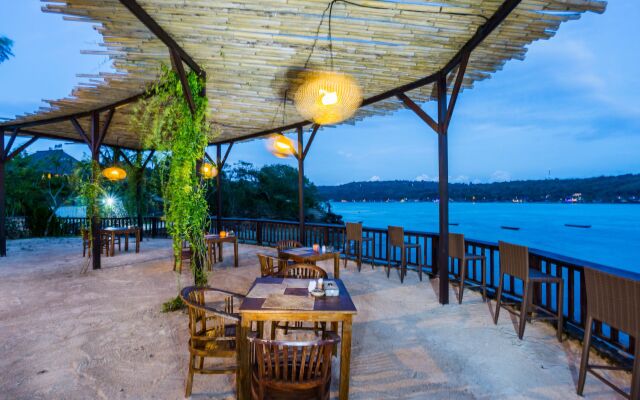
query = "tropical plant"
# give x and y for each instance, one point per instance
(167, 124)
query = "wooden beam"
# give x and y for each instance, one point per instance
(81, 131)
(186, 89)
(124, 157)
(219, 188)
(161, 34)
(301, 187)
(94, 145)
(17, 151)
(226, 154)
(146, 161)
(456, 88)
(3, 231)
(208, 157)
(77, 115)
(314, 129)
(7, 149)
(418, 111)
(107, 123)
(443, 190)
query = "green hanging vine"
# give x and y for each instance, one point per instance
(167, 124)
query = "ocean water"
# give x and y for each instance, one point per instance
(613, 239)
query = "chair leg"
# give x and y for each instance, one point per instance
(192, 360)
(635, 374)
(584, 361)
(498, 299)
(201, 363)
(463, 274)
(560, 310)
(524, 309)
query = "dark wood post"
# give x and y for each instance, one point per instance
(443, 188)
(95, 158)
(139, 171)
(219, 188)
(300, 157)
(3, 232)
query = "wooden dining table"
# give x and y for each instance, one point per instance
(214, 239)
(259, 306)
(113, 231)
(308, 255)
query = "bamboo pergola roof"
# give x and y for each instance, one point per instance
(248, 49)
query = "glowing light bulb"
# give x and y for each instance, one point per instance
(328, 98)
(281, 146)
(109, 201)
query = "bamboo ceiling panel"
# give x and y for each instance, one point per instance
(249, 47)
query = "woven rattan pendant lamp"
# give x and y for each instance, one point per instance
(115, 172)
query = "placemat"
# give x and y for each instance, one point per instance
(296, 283)
(263, 290)
(286, 302)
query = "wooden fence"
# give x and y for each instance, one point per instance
(266, 232)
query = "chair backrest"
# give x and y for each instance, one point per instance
(396, 235)
(613, 300)
(289, 365)
(354, 231)
(288, 244)
(203, 318)
(456, 246)
(266, 265)
(514, 260)
(304, 271)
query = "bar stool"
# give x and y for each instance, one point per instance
(354, 236)
(514, 261)
(612, 300)
(395, 238)
(458, 251)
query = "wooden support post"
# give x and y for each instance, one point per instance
(95, 158)
(3, 232)
(219, 188)
(443, 188)
(300, 157)
(139, 171)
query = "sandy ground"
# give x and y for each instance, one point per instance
(71, 335)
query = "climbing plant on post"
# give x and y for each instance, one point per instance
(168, 124)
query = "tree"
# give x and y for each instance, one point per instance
(5, 48)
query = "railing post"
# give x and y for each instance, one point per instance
(259, 232)
(154, 227)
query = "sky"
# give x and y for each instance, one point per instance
(570, 109)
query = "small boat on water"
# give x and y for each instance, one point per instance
(510, 228)
(577, 226)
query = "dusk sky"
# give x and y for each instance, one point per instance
(570, 109)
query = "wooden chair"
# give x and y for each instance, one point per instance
(291, 370)
(514, 261)
(185, 255)
(304, 271)
(395, 238)
(212, 333)
(86, 243)
(270, 265)
(300, 271)
(612, 300)
(288, 244)
(458, 251)
(354, 237)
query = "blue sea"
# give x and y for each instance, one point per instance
(613, 239)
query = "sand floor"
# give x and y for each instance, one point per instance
(100, 334)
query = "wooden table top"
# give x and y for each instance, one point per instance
(216, 237)
(308, 253)
(341, 304)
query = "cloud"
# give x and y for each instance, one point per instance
(374, 178)
(500, 176)
(425, 178)
(459, 179)
(345, 154)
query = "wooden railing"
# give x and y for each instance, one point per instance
(266, 232)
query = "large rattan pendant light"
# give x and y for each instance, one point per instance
(208, 171)
(115, 172)
(326, 97)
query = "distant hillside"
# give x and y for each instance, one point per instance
(604, 189)
(54, 162)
